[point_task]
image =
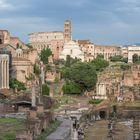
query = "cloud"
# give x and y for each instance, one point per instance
(4, 5)
(102, 21)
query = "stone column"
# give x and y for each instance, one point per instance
(7, 74)
(33, 97)
(2, 74)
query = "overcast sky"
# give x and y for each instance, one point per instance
(102, 21)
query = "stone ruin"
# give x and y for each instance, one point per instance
(37, 121)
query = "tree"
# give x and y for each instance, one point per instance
(101, 56)
(135, 58)
(44, 55)
(29, 45)
(16, 85)
(116, 58)
(70, 61)
(71, 88)
(45, 89)
(19, 46)
(82, 74)
(99, 63)
(125, 59)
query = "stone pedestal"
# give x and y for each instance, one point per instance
(33, 113)
(40, 109)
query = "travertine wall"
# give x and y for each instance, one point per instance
(131, 51)
(107, 51)
(52, 40)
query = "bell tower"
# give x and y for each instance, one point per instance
(1, 37)
(67, 31)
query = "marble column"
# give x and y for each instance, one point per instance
(33, 96)
(2, 74)
(7, 74)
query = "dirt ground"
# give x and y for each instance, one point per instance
(99, 131)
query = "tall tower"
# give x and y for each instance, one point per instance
(67, 30)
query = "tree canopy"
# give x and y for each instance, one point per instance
(15, 84)
(44, 55)
(99, 63)
(82, 74)
(116, 58)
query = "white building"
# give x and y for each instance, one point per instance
(131, 51)
(72, 49)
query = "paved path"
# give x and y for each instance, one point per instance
(99, 131)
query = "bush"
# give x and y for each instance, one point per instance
(45, 89)
(125, 67)
(116, 58)
(15, 84)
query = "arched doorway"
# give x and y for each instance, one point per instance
(102, 114)
(1, 41)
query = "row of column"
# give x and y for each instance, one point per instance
(4, 74)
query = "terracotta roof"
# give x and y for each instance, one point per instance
(84, 42)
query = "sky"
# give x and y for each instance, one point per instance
(112, 22)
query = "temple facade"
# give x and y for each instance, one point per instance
(21, 58)
(4, 71)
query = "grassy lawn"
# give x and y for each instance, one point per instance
(63, 100)
(9, 127)
(51, 128)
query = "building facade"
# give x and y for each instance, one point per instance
(106, 51)
(88, 48)
(72, 49)
(54, 40)
(21, 58)
(131, 51)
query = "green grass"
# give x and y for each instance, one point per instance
(9, 127)
(52, 127)
(95, 101)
